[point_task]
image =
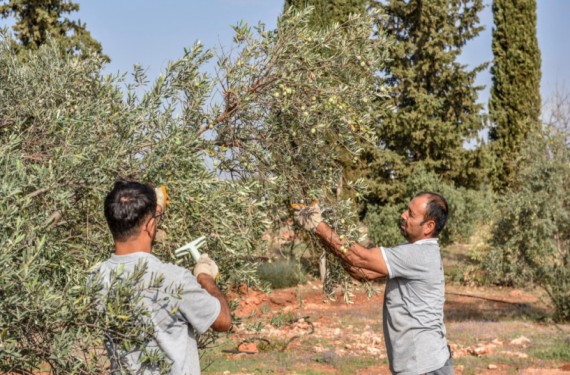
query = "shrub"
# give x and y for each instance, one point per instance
(467, 209)
(281, 273)
(531, 233)
(383, 224)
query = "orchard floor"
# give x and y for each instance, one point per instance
(299, 331)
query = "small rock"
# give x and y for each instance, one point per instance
(497, 342)
(318, 349)
(373, 351)
(282, 300)
(520, 341)
(480, 351)
(248, 347)
(514, 354)
(492, 367)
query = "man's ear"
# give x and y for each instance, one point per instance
(429, 228)
(150, 227)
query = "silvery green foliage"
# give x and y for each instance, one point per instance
(296, 102)
(293, 99)
(272, 120)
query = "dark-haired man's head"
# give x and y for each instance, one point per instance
(425, 217)
(129, 209)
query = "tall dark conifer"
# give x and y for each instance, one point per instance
(433, 100)
(515, 101)
(38, 20)
(329, 11)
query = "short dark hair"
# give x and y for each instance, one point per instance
(127, 206)
(436, 210)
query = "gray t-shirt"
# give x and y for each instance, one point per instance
(413, 308)
(174, 319)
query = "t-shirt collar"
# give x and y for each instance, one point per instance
(133, 257)
(427, 240)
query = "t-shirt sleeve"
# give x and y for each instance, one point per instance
(198, 307)
(405, 261)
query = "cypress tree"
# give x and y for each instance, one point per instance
(38, 20)
(515, 101)
(327, 12)
(433, 107)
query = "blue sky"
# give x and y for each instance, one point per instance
(151, 33)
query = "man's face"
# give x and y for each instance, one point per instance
(413, 225)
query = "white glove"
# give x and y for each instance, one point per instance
(206, 265)
(309, 217)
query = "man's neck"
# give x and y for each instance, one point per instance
(130, 247)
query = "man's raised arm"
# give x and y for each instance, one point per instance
(360, 262)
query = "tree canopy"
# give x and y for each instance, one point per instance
(38, 20)
(327, 12)
(68, 132)
(432, 108)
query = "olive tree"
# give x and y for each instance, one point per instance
(235, 148)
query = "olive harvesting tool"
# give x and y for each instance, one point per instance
(303, 208)
(192, 248)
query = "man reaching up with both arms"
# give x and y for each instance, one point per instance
(414, 331)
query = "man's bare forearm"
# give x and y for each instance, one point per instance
(224, 320)
(337, 246)
(362, 274)
(358, 261)
(208, 283)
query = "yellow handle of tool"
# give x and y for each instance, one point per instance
(302, 205)
(162, 197)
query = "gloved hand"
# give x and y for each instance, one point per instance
(308, 217)
(206, 265)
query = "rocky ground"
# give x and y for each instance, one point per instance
(300, 331)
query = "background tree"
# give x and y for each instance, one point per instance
(530, 241)
(557, 112)
(38, 20)
(515, 101)
(327, 12)
(432, 101)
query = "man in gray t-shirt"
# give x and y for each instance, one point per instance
(179, 306)
(414, 331)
